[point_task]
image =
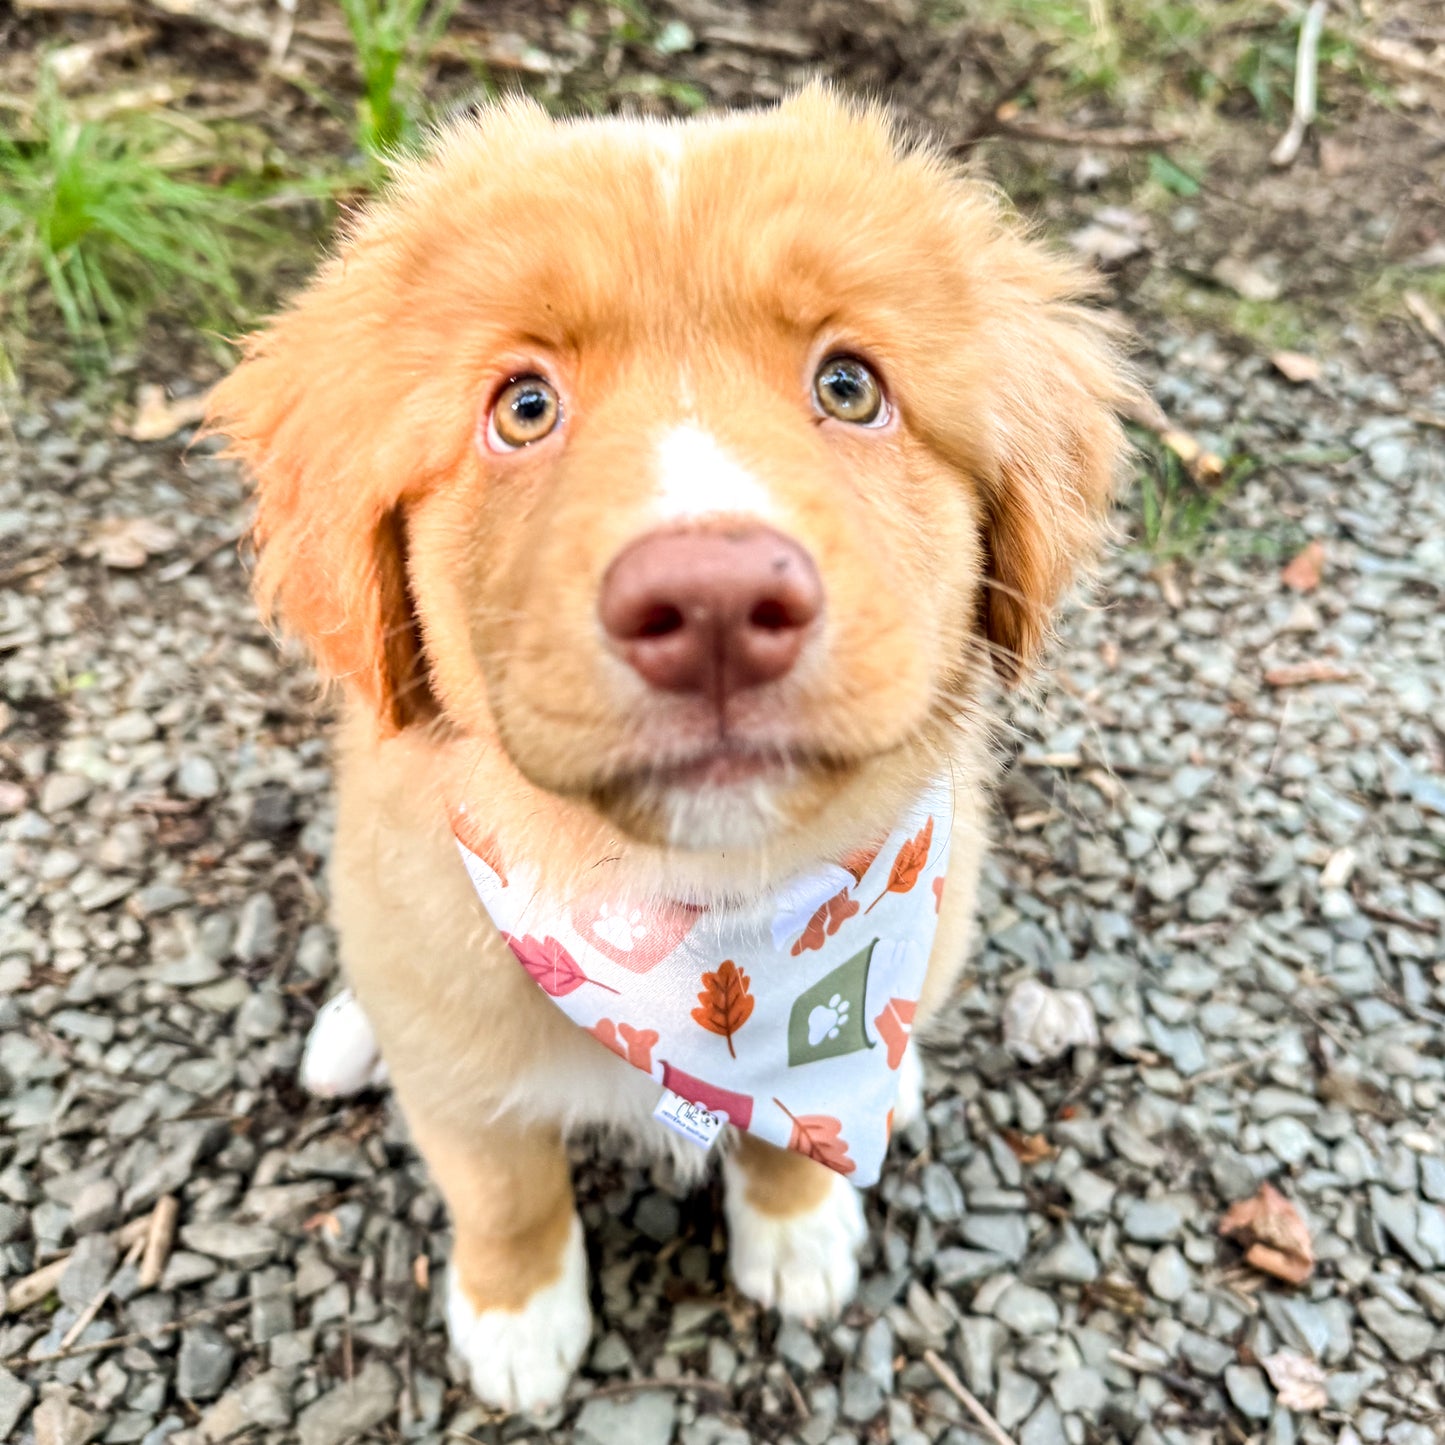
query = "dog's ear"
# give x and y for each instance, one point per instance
(1058, 448)
(330, 521)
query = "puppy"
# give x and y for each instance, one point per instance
(670, 502)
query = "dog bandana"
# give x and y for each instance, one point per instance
(789, 1019)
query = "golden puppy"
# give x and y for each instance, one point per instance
(669, 501)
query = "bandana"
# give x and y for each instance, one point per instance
(789, 1019)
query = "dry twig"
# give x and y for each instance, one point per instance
(1204, 466)
(160, 1236)
(969, 1401)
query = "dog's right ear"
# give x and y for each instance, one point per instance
(330, 524)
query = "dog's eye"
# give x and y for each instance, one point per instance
(848, 391)
(525, 411)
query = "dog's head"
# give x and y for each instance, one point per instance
(710, 467)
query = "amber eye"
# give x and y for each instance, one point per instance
(525, 411)
(848, 391)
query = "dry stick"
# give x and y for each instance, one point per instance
(34, 1287)
(1426, 315)
(83, 1319)
(139, 1337)
(1118, 138)
(160, 1236)
(1306, 85)
(1203, 466)
(970, 1402)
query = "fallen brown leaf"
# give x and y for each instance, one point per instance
(421, 1272)
(158, 416)
(1299, 1383)
(1295, 674)
(129, 542)
(1029, 1148)
(1302, 574)
(1274, 1235)
(1295, 366)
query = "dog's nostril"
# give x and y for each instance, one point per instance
(661, 620)
(771, 616)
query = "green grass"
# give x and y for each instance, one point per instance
(1177, 517)
(1160, 53)
(106, 223)
(394, 40)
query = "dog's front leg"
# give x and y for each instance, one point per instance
(517, 1304)
(794, 1230)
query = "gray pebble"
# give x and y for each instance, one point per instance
(646, 1418)
(1249, 1391)
(204, 1364)
(1152, 1221)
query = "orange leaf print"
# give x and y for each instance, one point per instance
(820, 1137)
(725, 1003)
(907, 865)
(860, 860)
(938, 892)
(895, 1027)
(829, 918)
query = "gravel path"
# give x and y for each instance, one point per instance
(1226, 827)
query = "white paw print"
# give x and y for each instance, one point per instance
(827, 1020)
(624, 931)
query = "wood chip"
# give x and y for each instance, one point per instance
(1299, 674)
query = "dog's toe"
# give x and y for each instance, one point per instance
(806, 1264)
(523, 1360)
(341, 1056)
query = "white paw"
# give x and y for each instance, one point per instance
(909, 1104)
(827, 1019)
(341, 1055)
(523, 1360)
(805, 1265)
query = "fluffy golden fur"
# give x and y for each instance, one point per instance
(661, 276)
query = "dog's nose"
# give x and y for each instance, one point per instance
(711, 612)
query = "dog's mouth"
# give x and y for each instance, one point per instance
(726, 763)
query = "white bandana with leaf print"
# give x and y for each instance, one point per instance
(789, 1019)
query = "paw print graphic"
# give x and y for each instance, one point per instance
(827, 1020)
(623, 929)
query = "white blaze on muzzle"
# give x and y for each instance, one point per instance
(789, 1019)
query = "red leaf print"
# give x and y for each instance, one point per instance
(820, 1137)
(908, 864)
(471, 837)
(895, 1027)
(725, 1003)
(634, 1046)
(553, 968)
(829, 918)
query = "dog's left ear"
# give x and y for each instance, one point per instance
(1058, 449)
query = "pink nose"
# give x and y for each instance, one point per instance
(711, 612)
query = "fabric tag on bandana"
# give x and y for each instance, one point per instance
(690, 1120)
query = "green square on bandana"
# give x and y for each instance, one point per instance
(827, 1019)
